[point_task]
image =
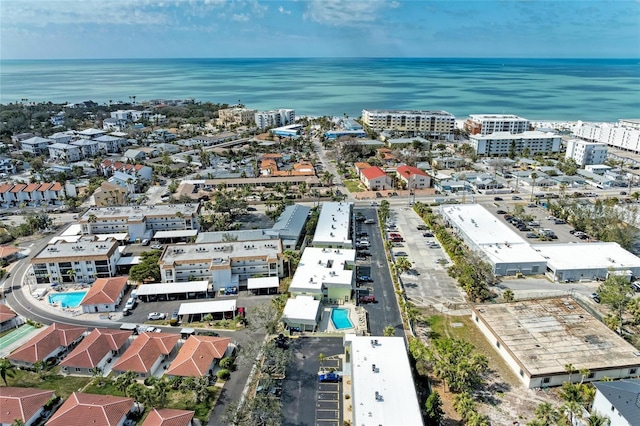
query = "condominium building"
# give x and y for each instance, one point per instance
(504, 143)
(226, 263)
(236, 116)
(624, 135)
(36, 145)
(586, 153)
(139, 222)
(413, 177)
(33, 194)
(82, 261)
(65, 152)
(433, 123)
(486, 124)
(275, 118)
(333, 229)
(325, 274)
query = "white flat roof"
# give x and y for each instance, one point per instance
(320, 266)
(207, 307)
(172, 288)
(74, 229)
(264, 282)
(392, 380)
(176, 234)
(480, 225)
(129, 260)
(587, 256)
(512, 253)
(333, 224)
(66, 238)
(301, 309)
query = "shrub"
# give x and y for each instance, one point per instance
(223, 374)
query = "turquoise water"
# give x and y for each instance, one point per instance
(537, 89)
(340, 319)
(68, 300)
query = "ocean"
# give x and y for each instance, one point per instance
(537, 89)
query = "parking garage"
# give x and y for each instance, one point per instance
(173, 291)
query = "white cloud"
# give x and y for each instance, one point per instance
(344, 12)
(394, 4)
(240, 17)
(284, 11)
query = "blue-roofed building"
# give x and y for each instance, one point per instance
(619, 401)
(289, 131)
(336, 134)
(290, 225)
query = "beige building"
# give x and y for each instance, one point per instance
(235, 115)
(432, 123)
(109, 194)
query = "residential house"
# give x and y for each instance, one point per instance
(63, 137)
(88, 148)
(91, 133)
(441, 163)
(110, 144)
(360, 166)
(65, 152)
(134, 155)
(76, 188)
(618, 400)
(96, 351)
(104, 295)
(198, 356)
(166, 147)
(9, 253)
(110, 194)
(6, 166)
(117, 124)
(90, 409)
(413, 178)
(146, 353)
(169, 417)
(36, 145)
(23, 404)
(80, 261)
(375, 179)
(108, 167)
(51, 342)
(16, 139)
(385, 155)
(9, 319)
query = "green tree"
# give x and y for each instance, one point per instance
(596, 419)
(433, 405)
(384, 212)
(389, 331)
(508, 295)
(545, 414)
(616, 292)
(456, 362)
(402, 264)
(148, 268)
(124, 380)
(6, 370)
(201, 388)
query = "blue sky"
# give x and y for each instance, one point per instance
(70, 29)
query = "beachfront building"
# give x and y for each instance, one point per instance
(539, 338)
(140, 222)
(288, 131)
(225, 264)
(413, 178)
(84, 260)
(586, 153)
(504, 143)
(624, 135)
(333, 229)
(438, 124)
(325, 274)
(486, 124)
(236, 116)
(275, 118)
(375, 179)
(380, 382)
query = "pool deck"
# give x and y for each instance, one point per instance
(357, 316)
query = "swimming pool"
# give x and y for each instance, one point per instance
(68, 300)
(340, 319)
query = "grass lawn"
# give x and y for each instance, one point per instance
(107, 388)
(353, 185)
(63, 385)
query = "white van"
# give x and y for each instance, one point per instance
(131, 303)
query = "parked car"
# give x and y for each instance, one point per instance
(501, 212)
(364, 278)
(157, 246)
(131, 303)
(515, 197)
(374, 203)
(175, 318)
(559, 222)
(370, 221)
(397, 244)
(595, 297)
(497, 199)
(329, 378)
(400, 254)
(422, 227)
(367, 299)
(636, 286)
(145, 242)
(427, 234)
(156, 316)
(378, 195)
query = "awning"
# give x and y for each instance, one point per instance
(175, 234)
(264, 282)
(172, 288)
(207, 307)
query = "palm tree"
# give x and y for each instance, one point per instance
(161, 389)
(389, 331)
(570, 369)
(533, 176)
(598, 420)
(124, 380)
(403, 264)
(6, 369)
(136, 391)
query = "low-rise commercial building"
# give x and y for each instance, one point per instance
(325, 274)
(334, 226)
(381, 381)
(84, 260)
(539, 338)
(225, 264)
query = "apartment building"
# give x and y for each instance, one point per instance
(140, 222)
(624, 135)
(432, 123)
(586, 153)
(236, 115)
(36, 145)
(375, 179)
(503, 143)
(82, 261)
(225, 264)
(486, 124)
(275, 118)
(109, 167)
(325, 274)
(413, 177)
(6, 166)
(110, 144)
(333, 229)
(65, 152)
(33, 194)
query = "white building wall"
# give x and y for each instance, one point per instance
(602, 406)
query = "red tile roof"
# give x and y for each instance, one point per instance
(32, 187)
(5, 188)
(6, 314)
(82, 409)
(6, 251)
(45, 187)
(19, 187)
(95, 347)
(197, 355)
(105, 290)
(46, 342)
(56, 186)
(21, 403)
(407, 171)
(168, 417)
(360, 165)
(373, 172)
(145, 351)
